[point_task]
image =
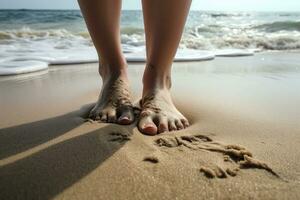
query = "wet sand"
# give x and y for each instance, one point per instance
(243, 142)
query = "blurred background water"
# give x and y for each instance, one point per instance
(58, 33)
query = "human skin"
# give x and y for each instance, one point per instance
(164, 23)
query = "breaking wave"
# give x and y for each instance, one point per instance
(280, 26)
(277, 37)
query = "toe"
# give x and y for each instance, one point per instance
(163, 125)
(93, 114)
(124, 120)
(179, 125)
(103, 117)
(172, 126)
(111, 116)
(147, 126)
(185, 123)
(125, 115)
(96, 117)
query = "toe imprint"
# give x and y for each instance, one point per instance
(119, 137)
(151, 159)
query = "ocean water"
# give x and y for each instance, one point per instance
(48, 35)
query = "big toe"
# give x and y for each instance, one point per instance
(125, 115)
(147, 126)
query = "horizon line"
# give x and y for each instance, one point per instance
(75, 9)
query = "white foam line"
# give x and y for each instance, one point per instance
(21, 67)
(26, 64)
(234, 52)
(183, 55)
(69, 62)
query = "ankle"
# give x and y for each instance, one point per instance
(154, 78)
(118, 65)
(111, 71)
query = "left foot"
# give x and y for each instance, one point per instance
(114, 104)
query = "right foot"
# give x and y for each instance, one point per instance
(114, 104)
(158, 113)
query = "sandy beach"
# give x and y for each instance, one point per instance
(243, 142)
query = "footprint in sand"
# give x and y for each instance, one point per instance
(119, 137)
(239, 157)
(151, 159)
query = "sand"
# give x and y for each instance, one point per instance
(243, 142)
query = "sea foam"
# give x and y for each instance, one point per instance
(60, 37)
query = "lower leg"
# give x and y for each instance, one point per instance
(164, 23)
(103, 21)
(102, 18)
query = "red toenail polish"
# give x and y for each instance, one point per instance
(148, 126)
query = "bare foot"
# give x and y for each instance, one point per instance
(114, 104)
(158, 112)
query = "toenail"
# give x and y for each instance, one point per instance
(124, 118)
(149, 125)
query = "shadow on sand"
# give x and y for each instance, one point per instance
(48, 172)
(20, 138)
